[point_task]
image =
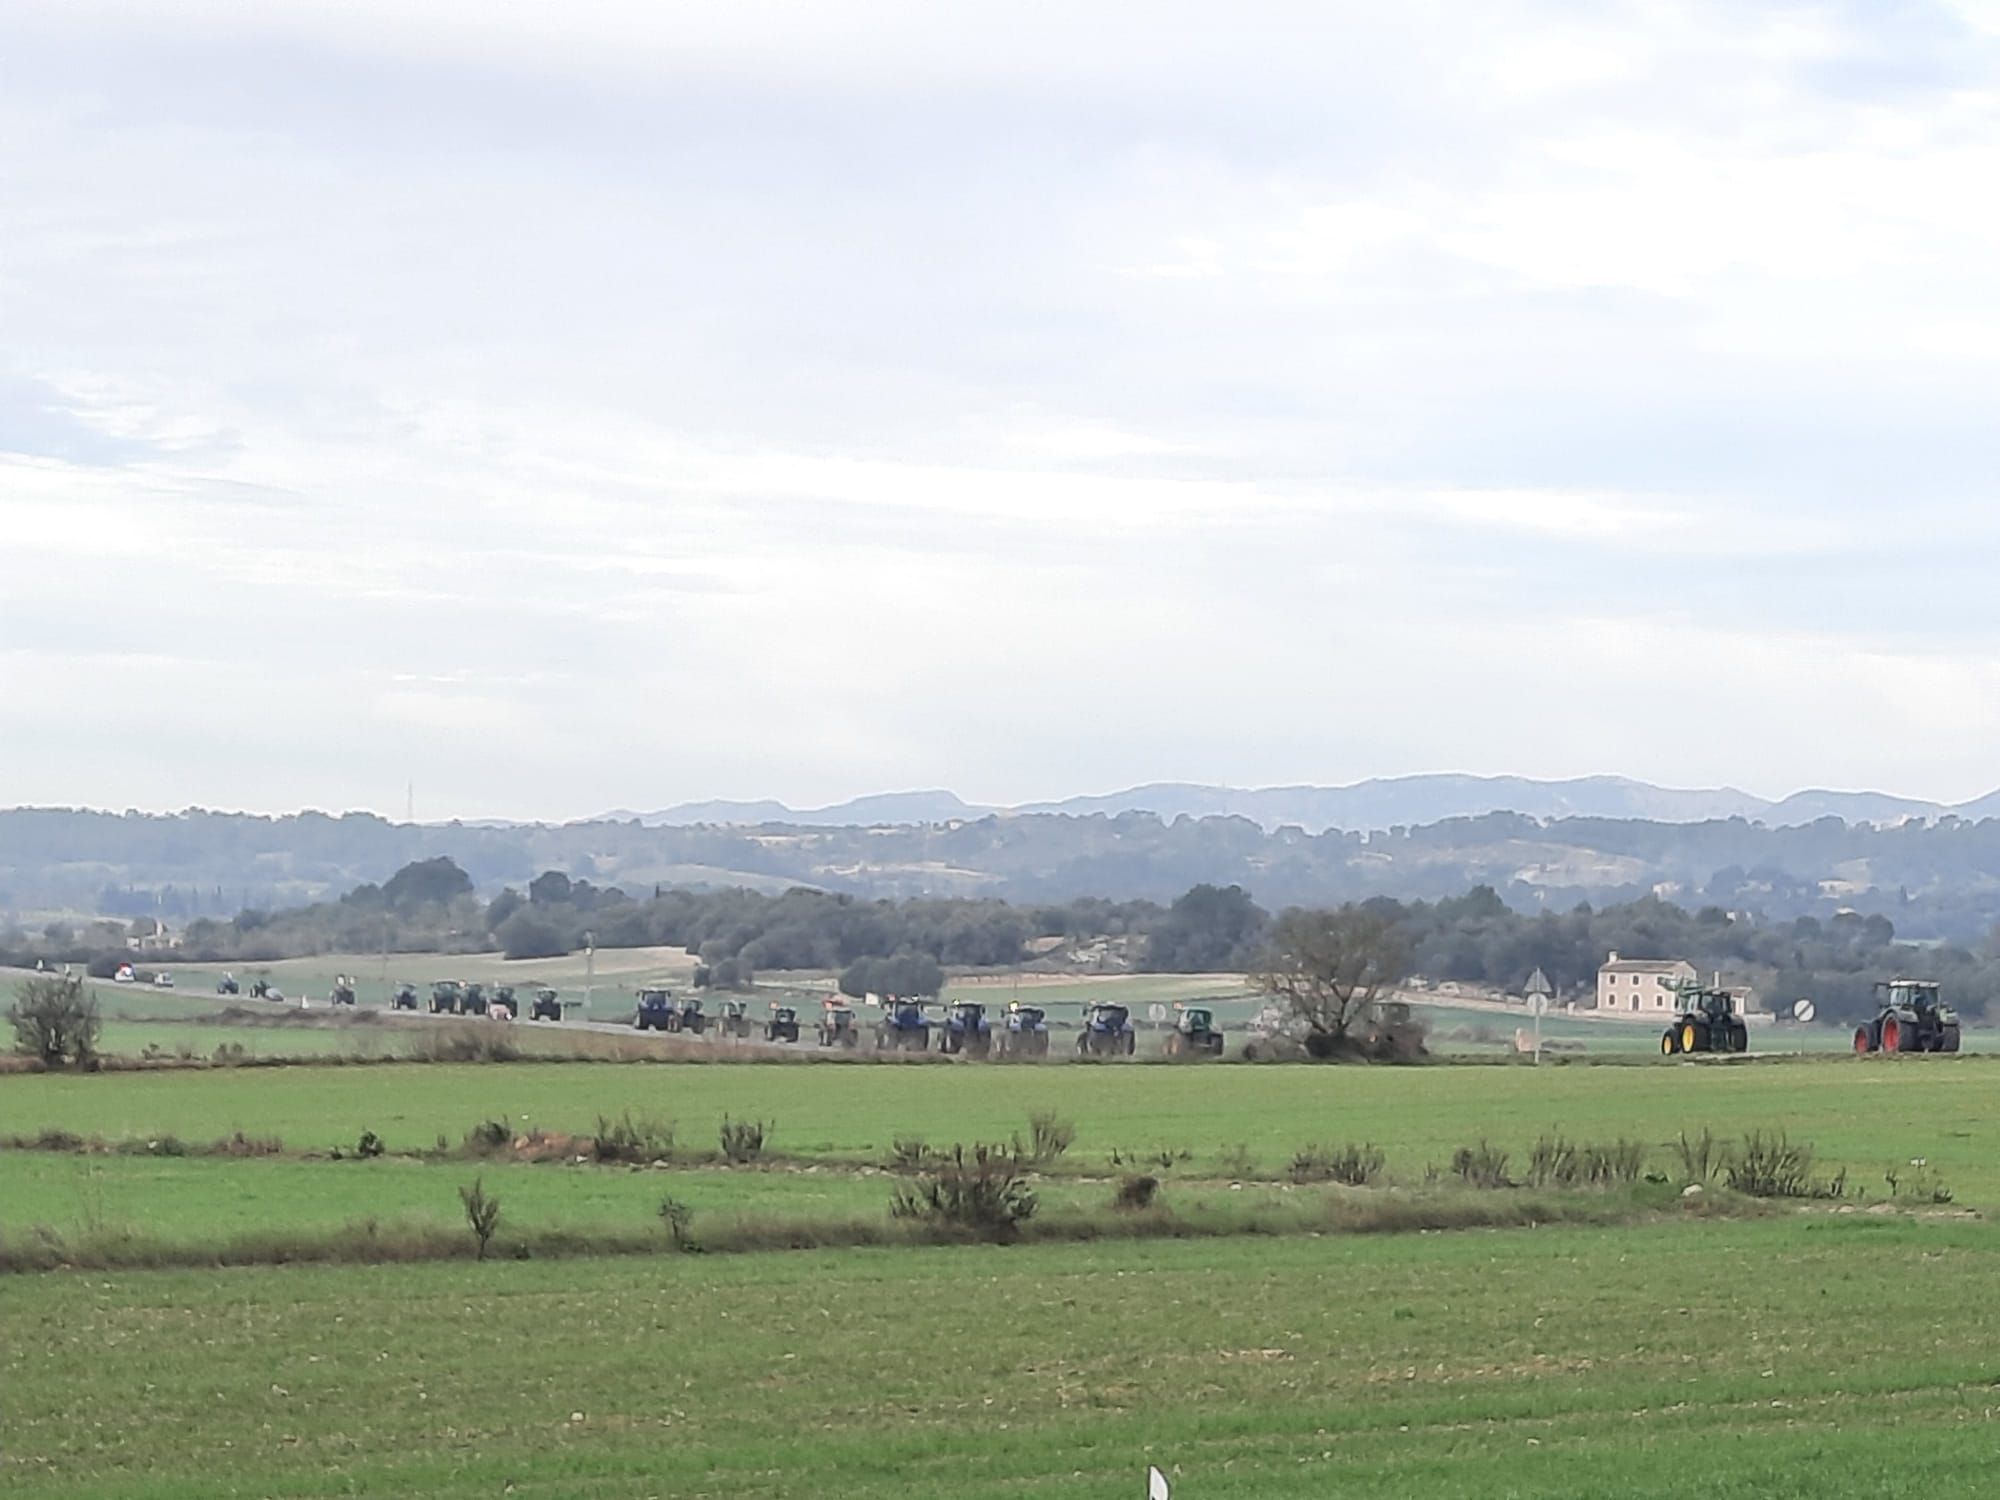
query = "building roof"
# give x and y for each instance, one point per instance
(1643, 966)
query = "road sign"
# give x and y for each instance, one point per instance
(1803, 1010)
(1156, 1012)
(1537, 1004)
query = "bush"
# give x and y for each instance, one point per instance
(1136, 1193)
(627, 1139)
(1481, 1166)
(1557, 1162)
(742, 1140)
(1356, 1166)
(1236, 1161)
(482, 1213)
(487, 1137)
(908, 1153)
(55, 1021)
(1701, 1156)
(1772, 1167)
(982, 1190)
(239, 1144)
(369, 1146)
(1049, 1136)
(1917, 1184)
(679, 1219)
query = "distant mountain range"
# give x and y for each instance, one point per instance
(1378, 803)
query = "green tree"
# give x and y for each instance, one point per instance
(55, 1021)
(532, 934)
(1210, 928)
(426, 882)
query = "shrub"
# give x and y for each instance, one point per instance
(1135, 1193)
(908, 1153)
(1356, 1166)
(742, 1140)
(1049, 1136)
(982, 1190)
(482, 1213)
(369, 1146)
(239, 1144)
(487, 1137)
(1701, 1156)
(1557, 1162)
(55, 1021)
(1772, 1167)
(679, 1219)
(1917, 1184)
(229, 1054)
(1481, 1166)
(627, 1139)
(1236, 1161)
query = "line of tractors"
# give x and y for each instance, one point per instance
(959, 1027)
(1910, 1016)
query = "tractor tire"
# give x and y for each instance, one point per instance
(1948, 1038)
(1864, 1041)
(1739, 1037)
(1897, 1034)
(1694, 1038)
(1670, 1041)
(1175, 1044)
(1131, 1043)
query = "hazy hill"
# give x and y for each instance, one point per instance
(1364, 806)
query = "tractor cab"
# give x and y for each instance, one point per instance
(1026, 1032)
(1107, 1031)
(342, 992)
(1707, 1022)
(226, 985)
(904, 1027)
(655, 1008)
(687, 1015)
(546, 1006)
(783, 1025)
(1911, 1017)
(837, 1027)
(503, 996)
(966, 1028)
(1195, 1032)
(445, 996)
(405, 997)
(473, 1001)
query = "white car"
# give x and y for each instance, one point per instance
(163, 981)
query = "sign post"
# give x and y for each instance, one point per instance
(1539, 992)
(1803, 1012)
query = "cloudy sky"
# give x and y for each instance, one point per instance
(573, 406)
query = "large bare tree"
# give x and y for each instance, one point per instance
(54, 1021)
(1328, 969)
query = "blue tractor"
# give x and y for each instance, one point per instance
(904, 1027)
(966, 1029)
(1107, 1032)
(405, 997)
(1026, 1033)
(547, 1005)
(655, 1010)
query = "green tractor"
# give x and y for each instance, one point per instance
(445, 995)
(1194, 1034)
(1707, 1022)
(783, 1025)
(405, 997)
(547, 1005)
(734, 1022)
(473, 1001)
(1912, 1018)
(342, 992)
(503, 996)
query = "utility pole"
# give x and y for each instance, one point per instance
(589, 969)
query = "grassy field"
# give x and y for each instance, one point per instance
(1788, 1358)
(1863, 1114)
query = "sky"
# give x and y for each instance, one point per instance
(563, 407)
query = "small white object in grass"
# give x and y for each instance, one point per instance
(1156, 1485)
(1692, 1190)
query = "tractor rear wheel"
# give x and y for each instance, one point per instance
(1739, 1037)
(1895, 1035)
(1948, 1038)
(1670, 1042)
(1694, 1038)
(1864, 1040)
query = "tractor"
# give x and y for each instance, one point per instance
(445, 995)
(503, 996)
(473, 1001)
(687, 1016)
(546, 1006)
(405, 997)
(783, 1025)
(1912, 1018)
(1194, 1033)
(965, 1029)
(655, 1011)
(837, 1027)
(1707, 1023)
(734, 1022)
(1026, 1033)
(263, 989)
(227, 985)
(1107, 1032)
(342, 992)
(904, 1027)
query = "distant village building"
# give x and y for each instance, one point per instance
(1641, 986)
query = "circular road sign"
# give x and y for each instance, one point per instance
(1803, 1010)
(1538, 1004)
(1156, 1012)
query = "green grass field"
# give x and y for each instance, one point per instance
(1787, 1358)
(1863, 1114)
